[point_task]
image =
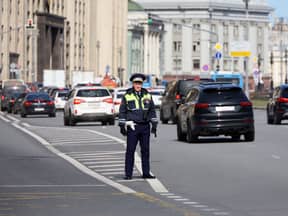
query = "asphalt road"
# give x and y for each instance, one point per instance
(213, 177)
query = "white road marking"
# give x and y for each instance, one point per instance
(70, 139)
(112, 173)
(77, 164)
(221, 213)
(200, 206)
(49, 186)
(156, 185)
(100, 154)
(1, 113)
(276, 157)
(101, 159)
(83, 144)
(210, 210)
(5, 119)
(190, 203)
(102, 162)
(132, 180)
(12, 118)
(103, 166)
(167, 194)
(174, 197)
(26, 125)
(183, 199)
(109, 170)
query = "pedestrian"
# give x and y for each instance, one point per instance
(137, 112)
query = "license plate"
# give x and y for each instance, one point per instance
(225, 108)
(39, 109)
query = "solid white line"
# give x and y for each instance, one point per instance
(75, 163)
(5, 119)
(87, 152)
(103, 162)
(49, 186)
(167, 194)
(156, 185)
(12, 118)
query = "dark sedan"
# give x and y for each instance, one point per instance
(277, 108)
(38, 104)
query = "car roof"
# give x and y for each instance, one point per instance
(90, 87)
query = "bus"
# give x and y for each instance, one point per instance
(233, 77)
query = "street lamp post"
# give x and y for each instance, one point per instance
(246, 59)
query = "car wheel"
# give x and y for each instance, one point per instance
(269, 119)
(250, 136)
(276, 119)
(191, 137)
(164, 121)
(2, 109)
(180, 135)
(72, 122)
(112, 122)
(52, 115)
(104, 122)
(23, 115)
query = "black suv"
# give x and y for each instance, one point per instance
(277, 107)
(214, 109)
(174, 95)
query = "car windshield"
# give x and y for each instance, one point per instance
(93, 93)
(186, 85)
(156, 93)
(62, 94)
(120, 95)
(41, 97)
(285, 93)
(211, 95)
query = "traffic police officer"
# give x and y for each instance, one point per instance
(137, 107)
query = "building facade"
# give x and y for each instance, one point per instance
(79, 35)
(145, 51)
(279, 51)
(193, 28)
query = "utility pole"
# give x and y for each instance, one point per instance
(246, 59)
(98, 57)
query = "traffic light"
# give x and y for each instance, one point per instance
(150, 19)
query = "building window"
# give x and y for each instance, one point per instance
(196, 46)
(213, 28)
(177, 28)
(246, 33)
(177, 63)
(196, 64)
(177, 46)
(226, 48)
(226, 65)
(260, 48)
(260, 32)
(236, 32)
(226, 30)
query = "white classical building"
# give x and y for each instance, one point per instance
(197, 25)
(144, 42)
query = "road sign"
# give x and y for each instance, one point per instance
(205, 67)
(218, 55)
(240, 49)
(218, 47)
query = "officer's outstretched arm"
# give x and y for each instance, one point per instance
(123, 112)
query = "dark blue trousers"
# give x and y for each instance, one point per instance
(141, 135)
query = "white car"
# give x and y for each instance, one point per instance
(88, 104)
(117, 98)
(157, 96)
(59, 99)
